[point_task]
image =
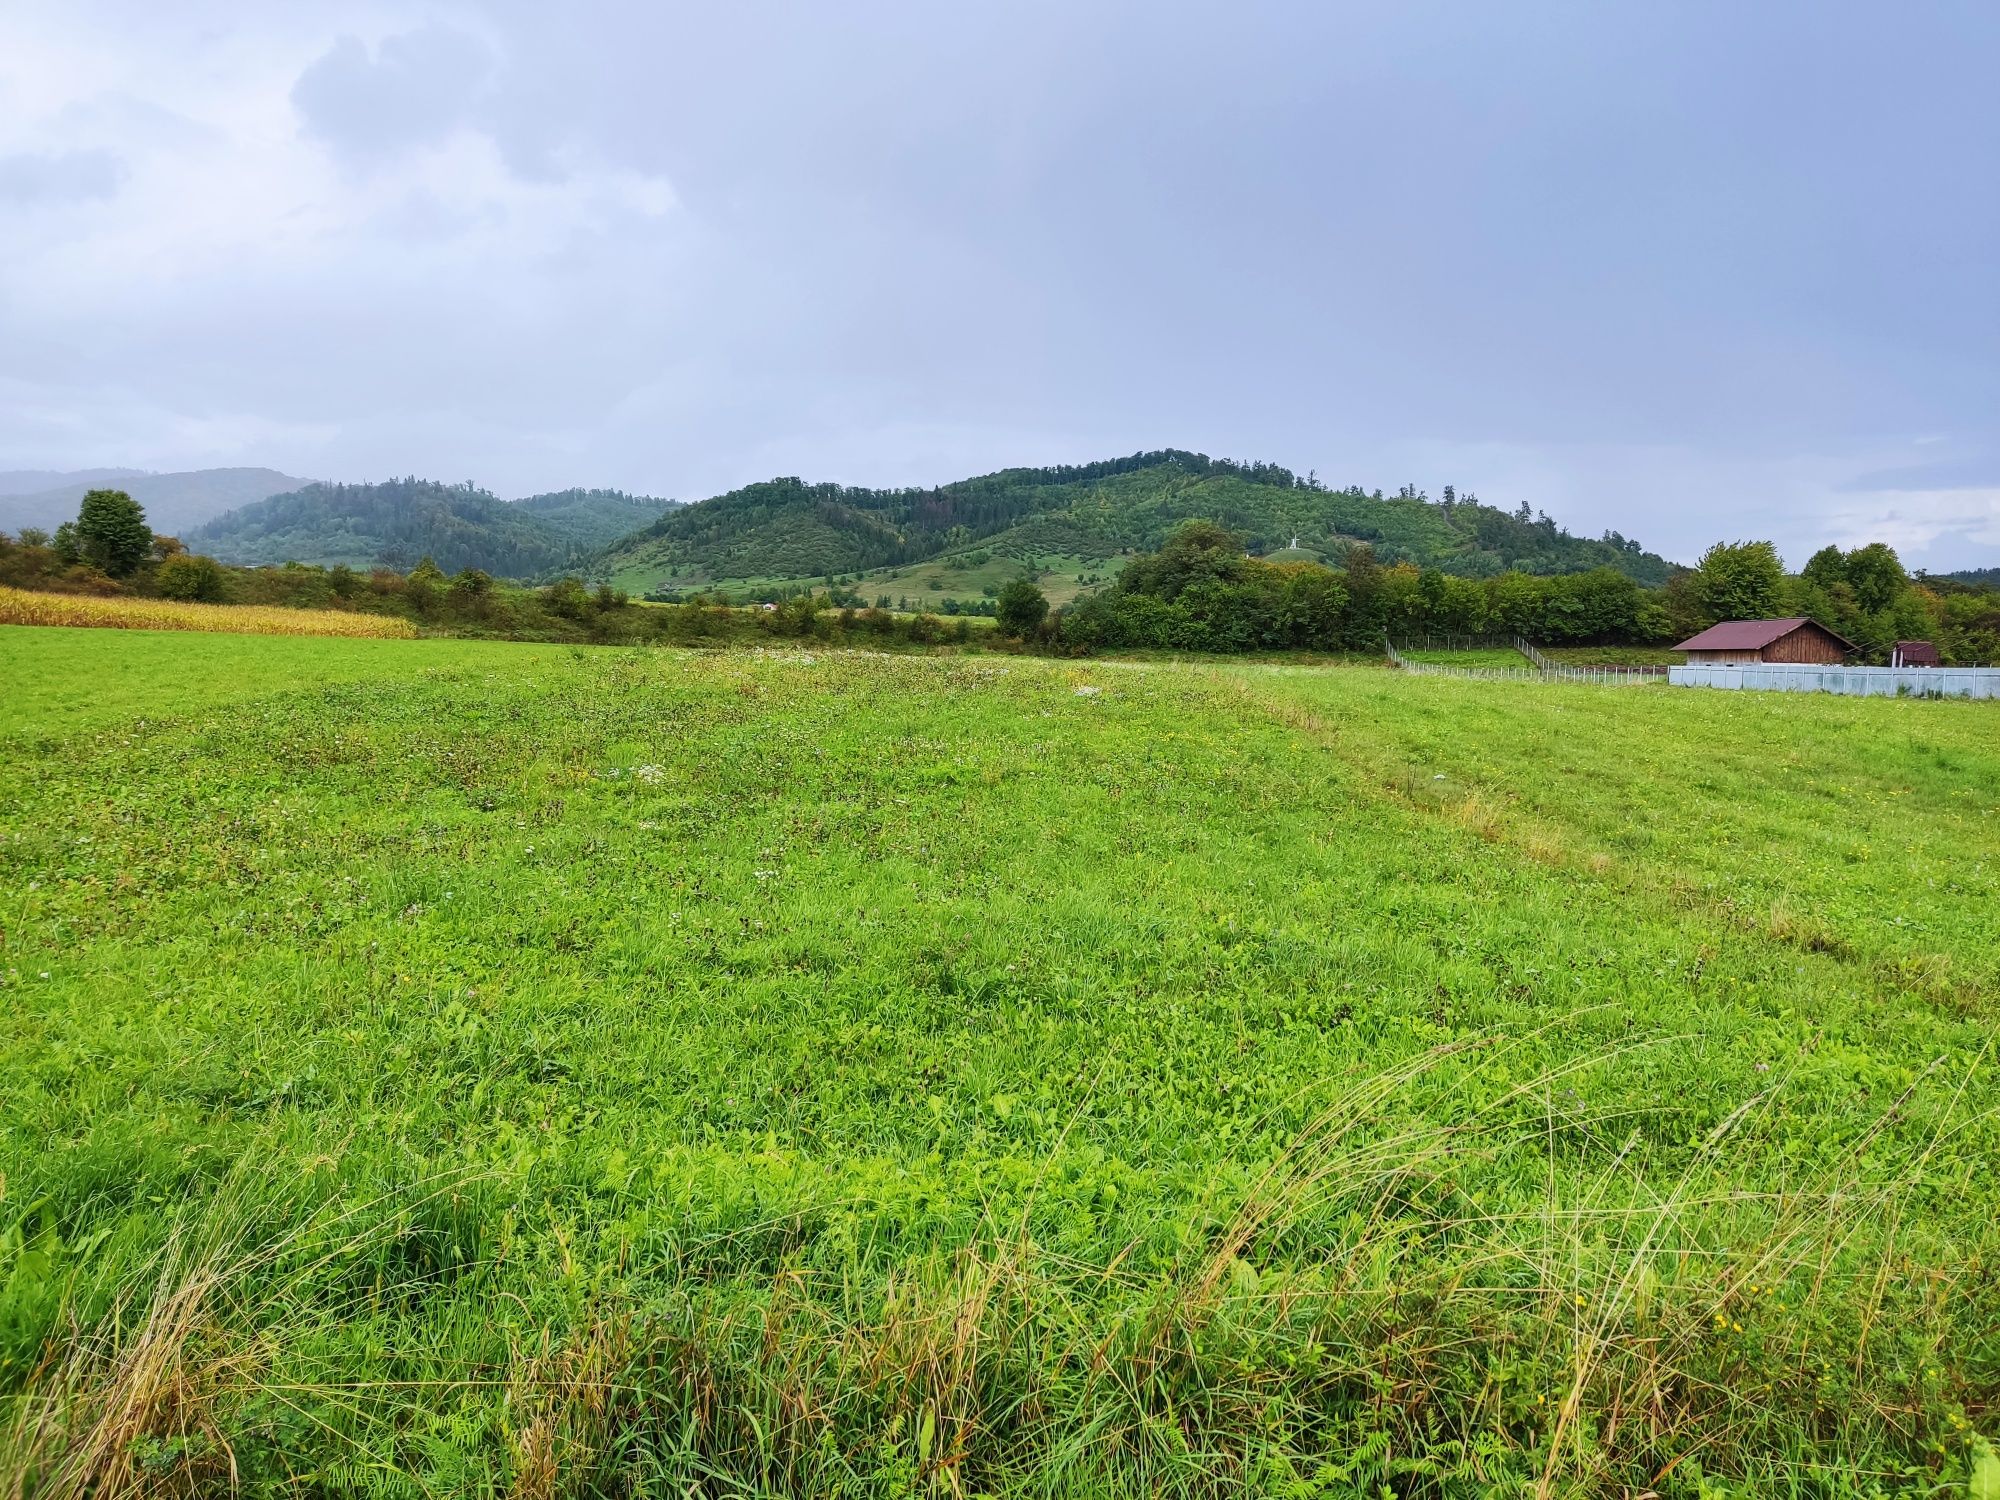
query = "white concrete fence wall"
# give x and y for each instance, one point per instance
(1859, 682)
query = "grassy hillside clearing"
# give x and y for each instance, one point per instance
(611, 1072)
(968, 576)
(981, 572)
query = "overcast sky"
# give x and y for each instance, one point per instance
(1687, 270)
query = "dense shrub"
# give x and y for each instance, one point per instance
(189, 576)
(1021, 608)
(566, 597)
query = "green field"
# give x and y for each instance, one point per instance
(437, 1068)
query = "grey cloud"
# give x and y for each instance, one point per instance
(59, 176)
(1638, 266)
(414, 89)
(1949, 551)
(1980, 471)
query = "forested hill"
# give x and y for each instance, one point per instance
(396, 523)
(785, 528)
(596, 518)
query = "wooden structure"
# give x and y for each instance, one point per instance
(1914, 654)
(1737, 643)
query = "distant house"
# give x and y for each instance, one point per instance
(1736, 643)
(1914, 654)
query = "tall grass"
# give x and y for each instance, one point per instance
(22, 607)
(1604, 1335)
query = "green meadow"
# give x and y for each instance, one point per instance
(442, 1068)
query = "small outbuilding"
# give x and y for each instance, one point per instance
(1914, 654)
(1736, 643)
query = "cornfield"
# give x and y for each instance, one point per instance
(22, 607)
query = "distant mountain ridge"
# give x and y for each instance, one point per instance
(788, 529)
(34, 481)
(174, 502)
(401, 521)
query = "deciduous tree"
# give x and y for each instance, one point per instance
(112, 534)
(1021, 608)
(1739, 581)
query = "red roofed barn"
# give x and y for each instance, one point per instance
(1736, 643)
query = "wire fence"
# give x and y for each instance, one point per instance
(1603, 674)
(1438, 669)
(1539, 668)
(1447, 640)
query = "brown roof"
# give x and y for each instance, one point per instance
(1917, 653)
(1750, 635)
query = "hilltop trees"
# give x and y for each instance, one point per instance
(397, 522)
(112, 534)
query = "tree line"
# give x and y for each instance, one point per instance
(109, 549)
(1864, 594)
(1201, 591)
